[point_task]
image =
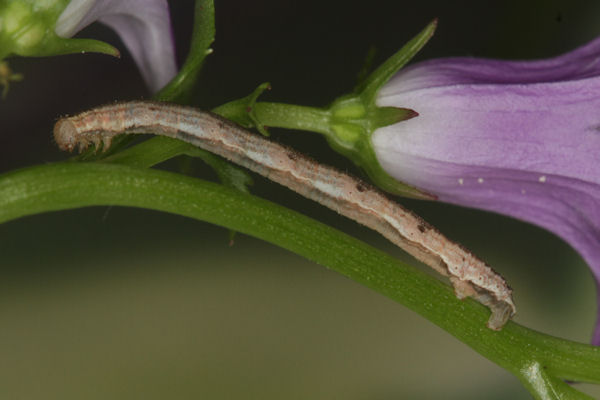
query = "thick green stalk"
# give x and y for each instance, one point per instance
(71, 185)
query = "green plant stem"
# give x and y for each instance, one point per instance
(279, 115)
(291, 116)
(72, 185)
(180, 89)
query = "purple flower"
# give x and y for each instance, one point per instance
(143, 25)
(521, 138)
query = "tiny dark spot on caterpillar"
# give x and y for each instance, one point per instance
(360, 187)
(292, 156)
(594, 128)
(422, 228)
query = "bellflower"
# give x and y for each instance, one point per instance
(143, 25)
(521, 138)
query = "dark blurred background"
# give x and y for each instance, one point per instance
(122, 303)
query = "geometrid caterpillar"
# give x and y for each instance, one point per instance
(341, 192)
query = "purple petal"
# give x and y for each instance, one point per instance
(583, 62)
(518, 138)
(143, 25)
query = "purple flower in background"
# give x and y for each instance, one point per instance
(143, 25)
(521, 138)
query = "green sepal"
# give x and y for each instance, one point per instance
(54, 45)
(243, 112)
(384, 116)
(370, 86)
